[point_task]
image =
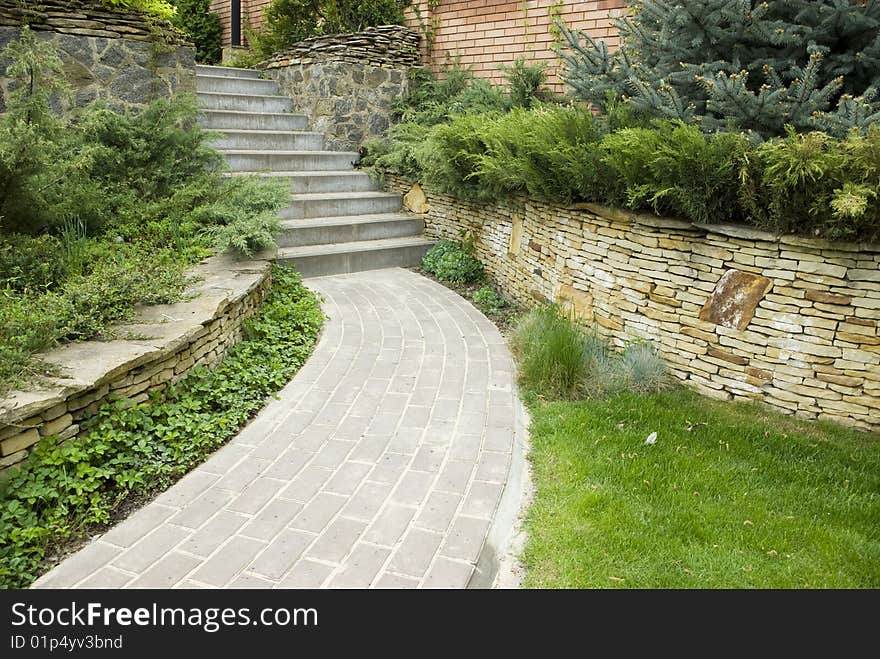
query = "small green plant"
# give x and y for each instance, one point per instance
(816, 185)
(432, 100)
(450, 263)
(160, 8)
(675, 169)
(31, 265)
(526, 83)
(642, 370)
(62, 490)
(245, 218)
(195, 19)
(489, 301)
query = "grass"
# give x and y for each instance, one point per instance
(729, 496)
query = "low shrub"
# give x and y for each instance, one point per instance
(101, 210)
(160, 8)
(526, 82)
(63, 490)
(29, 265)
(550, 153)
(675, 169)
(810, 184)
(449, 262)
(84, 303)
(429, 102)
(815, 184)
(434, 100)
(195, 19)
(401, 152)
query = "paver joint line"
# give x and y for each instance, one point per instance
(381, 464)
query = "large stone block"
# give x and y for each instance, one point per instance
(733, 302)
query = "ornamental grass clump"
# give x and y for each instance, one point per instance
(561, 359)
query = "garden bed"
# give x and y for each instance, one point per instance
(729, 496)
(64, 492)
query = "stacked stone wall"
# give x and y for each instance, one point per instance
(735, 312)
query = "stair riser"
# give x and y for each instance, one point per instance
(236, 86)
(349, 233)
(253, 141)
(245, 103)
(341, 183)
(337, 207)
(334, 264)
(233, 121)
(228, 72)
(285, 163)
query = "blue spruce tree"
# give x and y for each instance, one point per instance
(738, 64)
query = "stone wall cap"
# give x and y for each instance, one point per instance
(739, 231)
(633, 217)
(92, 18)
(822, 243)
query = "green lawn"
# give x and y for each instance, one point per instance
(729, 496)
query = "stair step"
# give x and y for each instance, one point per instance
(333, 204)
(312, 182)
(346, 229)
(227, 71)
(227, 85)
(238, 120)
(244, 102)
(258, 161)
(338, 258)
(269, 140)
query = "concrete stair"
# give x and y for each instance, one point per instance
(338, 220)
(249, 160)
(348, 229)
(331, 204)
(238, 120)
(337, 258)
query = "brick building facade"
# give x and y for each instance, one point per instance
(483, 33)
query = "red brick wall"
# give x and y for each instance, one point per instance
(486, 33)
(251, 12)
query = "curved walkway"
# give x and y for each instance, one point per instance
(383, 463)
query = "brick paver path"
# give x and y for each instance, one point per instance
(382, 464)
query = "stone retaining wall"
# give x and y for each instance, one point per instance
(179, 337)
(117, 55)
(348, 83)
(735, 312)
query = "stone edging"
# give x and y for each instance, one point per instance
(177, 337)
